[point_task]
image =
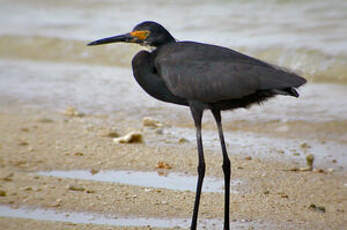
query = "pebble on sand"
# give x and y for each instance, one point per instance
(283, 195)
(182, 140)
(94, 171)
(24, 130)
(317, 208)
(8, 177)
(72, 112)
(150, 122)
(23, 143)
(27, 188)
(56, 203)
(163, 165)
(132, 137)
(305, 146)
(3, 193)
(76, 188)
(248, 158)
(45, 120)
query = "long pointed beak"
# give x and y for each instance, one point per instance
(119, 38)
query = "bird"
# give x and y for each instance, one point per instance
(203, 77)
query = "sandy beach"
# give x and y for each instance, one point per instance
(270, 195)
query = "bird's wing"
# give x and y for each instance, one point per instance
(211, 73)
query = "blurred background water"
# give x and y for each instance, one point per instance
(44, 60)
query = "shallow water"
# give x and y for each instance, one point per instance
(304, 35)
(113, 220)
(282, 149)
(95, 89)
(174, 181)
(44, 59)
(90, 218)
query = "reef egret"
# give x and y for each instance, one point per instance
(203, 76)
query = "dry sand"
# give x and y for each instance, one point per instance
(33, 139)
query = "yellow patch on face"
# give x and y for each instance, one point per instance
(140, 34)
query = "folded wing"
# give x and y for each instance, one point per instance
(210, 73)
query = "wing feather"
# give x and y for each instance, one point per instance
(210, 73)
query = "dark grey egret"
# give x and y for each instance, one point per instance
(203, 76)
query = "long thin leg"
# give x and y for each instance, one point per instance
(226, 169)
(197, 116)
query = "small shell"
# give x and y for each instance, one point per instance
(132, 137)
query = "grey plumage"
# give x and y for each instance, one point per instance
(216, 73)
(203, 76)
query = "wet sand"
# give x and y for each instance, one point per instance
(269, 197)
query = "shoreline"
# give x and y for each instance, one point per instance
(38, 139)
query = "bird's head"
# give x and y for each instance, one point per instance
(146, 33)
